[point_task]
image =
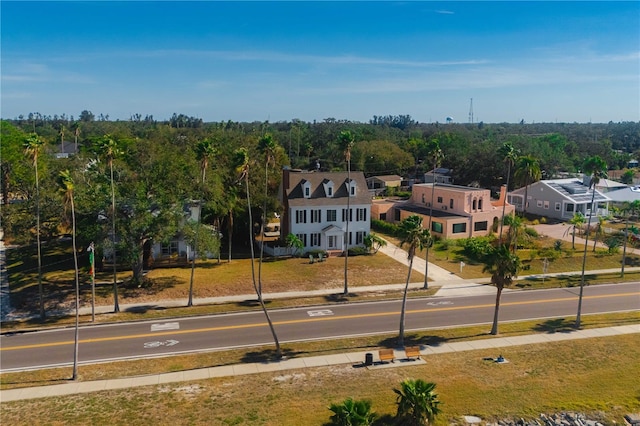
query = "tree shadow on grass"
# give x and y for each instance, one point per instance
(267, 355)
(143, 309)
(252, 303)
(339, 297)
(413, 340)
(631, 261)
(557, 325)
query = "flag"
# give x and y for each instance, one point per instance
(91, 260)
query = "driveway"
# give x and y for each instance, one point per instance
(562, 231)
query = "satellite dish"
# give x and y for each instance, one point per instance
(449, 119)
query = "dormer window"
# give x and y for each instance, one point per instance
(351, 188)
(328, 187)
(306, 189)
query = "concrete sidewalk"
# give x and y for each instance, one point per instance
(354, 358)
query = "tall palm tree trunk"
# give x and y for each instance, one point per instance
(116, 305)
(229, 234)
(39, 248)
(253, 275)
(346, 241)
(195, 243)
(77, 279)
(494, 327)
(193, 261)
(504, 203)
(404, 304)
(426, 258)
(584, 261)
(262, 228)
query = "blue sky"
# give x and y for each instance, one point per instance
(255, 61)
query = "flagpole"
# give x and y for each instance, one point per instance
(92, 259)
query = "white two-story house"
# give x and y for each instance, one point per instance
(315, 209)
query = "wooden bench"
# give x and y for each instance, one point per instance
(386, 355)
(412, 352)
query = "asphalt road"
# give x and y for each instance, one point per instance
(102, 343)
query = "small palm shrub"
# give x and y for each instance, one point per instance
(352, 412)
(417, 402)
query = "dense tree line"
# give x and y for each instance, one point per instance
(158, 168)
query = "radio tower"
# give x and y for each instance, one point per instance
(471, 111)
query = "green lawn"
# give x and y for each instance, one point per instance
(595, 376)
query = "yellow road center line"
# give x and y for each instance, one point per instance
(307, 320)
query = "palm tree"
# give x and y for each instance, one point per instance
(510, 156)
(347, 141)
(241, 163)
(576, 222)
(76, 133)
(597, 169)
(352, 413)
(62, 130)
(515, 224)
(374, 242)
(32, 147)
(416, 237)
(268, 146)
(109, 148)
(66, 185)
(527, 172)
(599, 231)
(417, 401)
(205, 150)
(503, 267)
(437, 156)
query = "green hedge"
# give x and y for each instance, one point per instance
(385, 227)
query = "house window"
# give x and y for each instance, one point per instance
(439, 199)
(307, 192)
(396, 215)
(383, 216)
(360, 237)
(423, 201)
(480, 226)
(436, 227)
(353, 190)
(557, 206)
(569, 208)
(475, 204)
(361, 215)
(459, 228)
(170, 248)
(301, 216)
(539, 203)
(330, 191)
(546, 205)
(344, 215)
(315, 239)
(451, 203)
(331, 215)
(303, 238)
(480, 204)
(315, 216)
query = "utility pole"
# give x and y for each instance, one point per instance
(471, 111)
(92, 261)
